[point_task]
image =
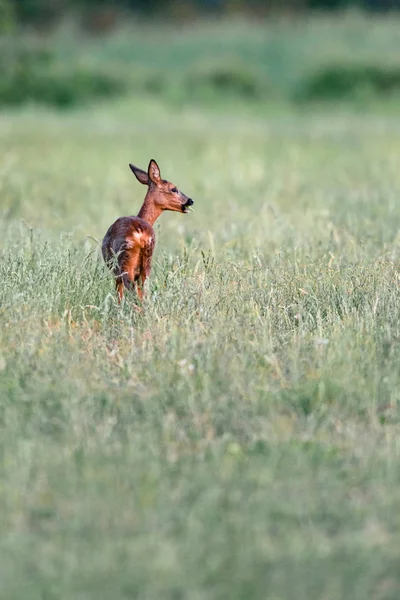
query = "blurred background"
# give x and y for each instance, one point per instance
(254, 53)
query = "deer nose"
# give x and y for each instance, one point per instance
(189, 202)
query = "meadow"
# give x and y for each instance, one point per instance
(240, 437)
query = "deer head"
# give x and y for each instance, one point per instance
(164, 194)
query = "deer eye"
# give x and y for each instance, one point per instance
(174, 190)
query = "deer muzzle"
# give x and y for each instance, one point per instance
(185, 206)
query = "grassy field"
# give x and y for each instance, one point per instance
(253, 66)
(240, 438)
(268, 64)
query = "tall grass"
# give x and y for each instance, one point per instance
(238, 438)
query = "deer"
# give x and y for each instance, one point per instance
(128, 245)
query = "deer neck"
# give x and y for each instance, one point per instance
(149, 211)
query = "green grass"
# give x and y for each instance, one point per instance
(240, 437)
(265, 62)
(282, 49)
(352, 60)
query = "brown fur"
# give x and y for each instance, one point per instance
(129, 243)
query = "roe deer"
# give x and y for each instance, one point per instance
(128, 245)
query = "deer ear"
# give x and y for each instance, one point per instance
(154, 172)
(140, 175)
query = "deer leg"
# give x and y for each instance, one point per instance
(132, 270)
(123, 281)
(145, 268)
(119, 285)
(141, 278)
(140, 286)
(125, 272)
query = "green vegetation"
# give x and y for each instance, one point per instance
(239, 438)
(349, 60)
(100, 16)
(347, 81)
(30, 74)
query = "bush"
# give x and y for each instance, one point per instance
(225, 80)
(202, 83)
(345, 81)
(29, 73)
(228, 80)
